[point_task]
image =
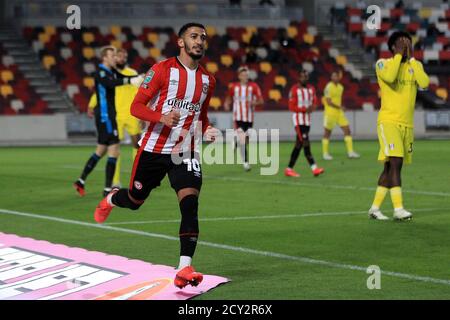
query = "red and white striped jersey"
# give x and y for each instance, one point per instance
(301, 98)
(243, 95)
(171, 85)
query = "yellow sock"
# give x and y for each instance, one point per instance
(116, 178)
(396, 197)
(325, 145)
(349, 143)
(380, 194)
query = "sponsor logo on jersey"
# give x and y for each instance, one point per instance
(391, 146)
(183, 104)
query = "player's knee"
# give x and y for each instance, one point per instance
(189, 214)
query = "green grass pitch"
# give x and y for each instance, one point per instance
(274, 237)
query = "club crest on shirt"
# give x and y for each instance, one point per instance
(205, 88)
(410, 70)
(137, 185)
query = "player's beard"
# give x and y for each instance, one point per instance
(194, 56)
(120, 66)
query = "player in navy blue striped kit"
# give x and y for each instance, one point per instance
(107, 78)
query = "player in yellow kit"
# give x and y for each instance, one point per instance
(125, 121)
(334, 115)
(398, 78)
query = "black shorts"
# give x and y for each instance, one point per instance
(244, 125)
(302, 132)
(107, 133)
(150, 168)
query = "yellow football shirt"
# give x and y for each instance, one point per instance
(124, 96)
(398, 85)
(334, 92)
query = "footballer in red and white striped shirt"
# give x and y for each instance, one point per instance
(302, 101)
(244, 95)
(173, 98)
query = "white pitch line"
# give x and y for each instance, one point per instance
(301, 184)
(303, 215)
(330, 186)
(233, 248)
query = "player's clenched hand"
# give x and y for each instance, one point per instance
(211, 133)
(90, 113)
(171, 119)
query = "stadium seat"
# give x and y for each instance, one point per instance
(212, 67)
(155, 53)
(66, 53)
(6, 76)
(136, 30)
(66, 37)
(308, 38)
(115, 30)
(44, 38)
(252, 74)
(341, 60)
(261, 52)
(152, 37)
(72, 89)
(6, 90)
(88, 53)
(50, 30)
(211, 31)
(233, 45)
(226, 60)
(88, 82)
(281, 81)
(292, 31)
(88, 68)
(116, 43)
(7, 60)
(265, 67)
(17, 105)
(246, 37)
(442, 93)
(88, 37)
(215, 103)
(425, 13)
(48, 61)
(275, 94)
(312, 30)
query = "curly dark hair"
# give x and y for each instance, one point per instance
(393, 38)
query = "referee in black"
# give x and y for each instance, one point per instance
(107, 78)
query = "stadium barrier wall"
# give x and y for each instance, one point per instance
(45, 129)
(363, 124)
(64, 129)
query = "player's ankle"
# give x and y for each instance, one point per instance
(185, 261)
